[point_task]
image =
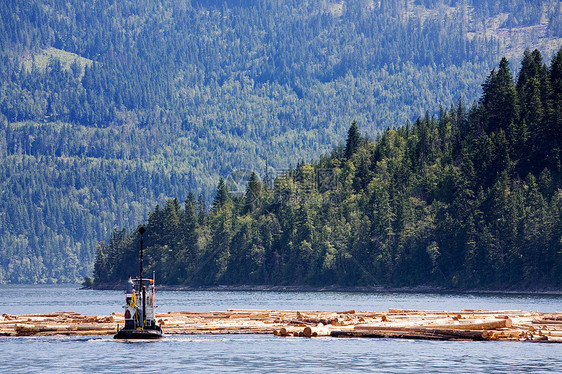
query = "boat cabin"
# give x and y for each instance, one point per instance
(139, 308)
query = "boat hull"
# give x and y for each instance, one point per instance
(139, 334)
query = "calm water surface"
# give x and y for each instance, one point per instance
(268, 354)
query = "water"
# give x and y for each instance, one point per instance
(269, 354)
(28, 299)
(266, 353)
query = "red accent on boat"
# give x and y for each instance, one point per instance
(127, 314)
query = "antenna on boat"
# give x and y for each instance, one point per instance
(142, 230)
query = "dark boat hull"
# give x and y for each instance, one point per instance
(139, 334)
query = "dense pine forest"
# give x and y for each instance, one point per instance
(110, 107)
(468, 198)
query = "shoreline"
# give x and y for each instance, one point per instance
(363, 289)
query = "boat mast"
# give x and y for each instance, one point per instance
(142, 231)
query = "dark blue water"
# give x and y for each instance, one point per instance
(266, 353)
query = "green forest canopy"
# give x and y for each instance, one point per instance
(109, 107)
(471, 198)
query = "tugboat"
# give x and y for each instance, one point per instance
(140, 305)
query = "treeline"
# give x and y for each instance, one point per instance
(471, 198)
(166, 96)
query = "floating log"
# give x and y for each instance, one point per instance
(483, 325)
(404, 335)
(480, 311)
(28, 329)
(396, 323)
(431, 332)
(544, 321)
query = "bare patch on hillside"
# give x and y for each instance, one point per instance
(42, 59)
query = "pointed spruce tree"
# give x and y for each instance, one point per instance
(556, 83)
(252, 198)
(222, 195)
(499, 101)
(353, 140)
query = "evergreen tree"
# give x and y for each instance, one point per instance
(253, 193)
(222, 195)
(353, 140)
(556, 82)
(201, 209)
(499, 99)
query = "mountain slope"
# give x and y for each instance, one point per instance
(166, 96)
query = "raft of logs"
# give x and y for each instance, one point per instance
(396, 323)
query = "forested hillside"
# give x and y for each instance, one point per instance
(470, 198)
(109, 107)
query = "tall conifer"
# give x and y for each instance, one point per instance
(499, 100)
(353, 140)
